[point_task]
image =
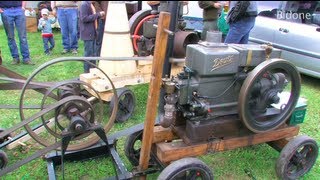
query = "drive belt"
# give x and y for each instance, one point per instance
(30, 158)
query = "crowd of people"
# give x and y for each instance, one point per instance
(240, 19)
(88, 17)
(82, 20)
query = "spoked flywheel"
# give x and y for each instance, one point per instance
(136, 29)
(65, 105)
(269, 95)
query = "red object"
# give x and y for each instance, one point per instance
(47, 35)
(135, 34)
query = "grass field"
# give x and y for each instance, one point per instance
(259, 160)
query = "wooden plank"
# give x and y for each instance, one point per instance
(154, 90)
(27, 137)
(175, 150)
(161, 134)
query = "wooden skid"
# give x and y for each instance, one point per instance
(170, 151)
(161, 134)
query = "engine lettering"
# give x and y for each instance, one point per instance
(221, 62)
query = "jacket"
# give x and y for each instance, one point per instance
(209, 11)
(86, 21)
(46, 29)
(252, 9)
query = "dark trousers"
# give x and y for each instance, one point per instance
(89, 51)
(100, 32)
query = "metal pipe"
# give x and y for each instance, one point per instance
(174, 10)
(104, 58)
(287, 48)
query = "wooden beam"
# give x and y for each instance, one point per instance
(175, 150)
(161, 134)
(279, 144)
(154, 89)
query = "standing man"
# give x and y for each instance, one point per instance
(241, 18)
(210, 16)
(88, 30)
(67, 14)
(12, 15)
(100, 6)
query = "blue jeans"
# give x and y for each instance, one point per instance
(14, 17)
(68, 21)
(89, 51)
(239, 31)
(46, 42)
(100, 31)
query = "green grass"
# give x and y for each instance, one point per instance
(259, 160)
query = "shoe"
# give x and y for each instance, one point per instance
(74, 51)
(48, 53)
(65, 51)
(15, 61)
(50, 49)
(29, 62)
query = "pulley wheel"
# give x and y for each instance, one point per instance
(275, 114)
(126, 104)
(136, 18)
(297, 157)
(186, 168)
(61, 97)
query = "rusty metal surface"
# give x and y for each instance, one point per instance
(181, 40)
(16, 81)
(83, 104)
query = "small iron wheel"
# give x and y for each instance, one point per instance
(127, 102)
(132, 147)
(186, 168)
(3, 159)
(297, 158)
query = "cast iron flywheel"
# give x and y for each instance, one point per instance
(260, 107)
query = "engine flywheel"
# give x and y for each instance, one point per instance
(269, 95)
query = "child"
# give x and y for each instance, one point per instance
(45, 27)
(88, 30)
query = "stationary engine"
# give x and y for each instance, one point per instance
(143, 29)
(225, 90)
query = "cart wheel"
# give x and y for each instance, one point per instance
(5, 138)
(297, 157)
(127, 102)
(132, 147)
(186, 168)
(3, 159)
